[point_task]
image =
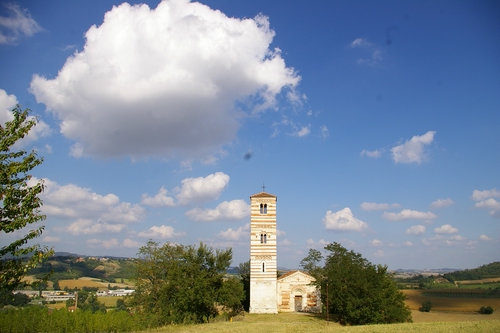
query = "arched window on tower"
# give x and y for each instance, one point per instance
(263, 238)
(265, 208)
(263, 267)
(261, 208)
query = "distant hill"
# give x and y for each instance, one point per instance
(482, 272)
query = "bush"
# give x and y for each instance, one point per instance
(486, 310)
(426, 306)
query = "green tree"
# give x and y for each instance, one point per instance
(358, 291)
(426, 306)
(20, 204)
(230, 295)
(244, 272)
(179, 283)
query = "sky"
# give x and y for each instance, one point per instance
(375, 123)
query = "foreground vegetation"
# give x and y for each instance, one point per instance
(37, 319)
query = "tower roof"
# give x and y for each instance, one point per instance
(263, 195)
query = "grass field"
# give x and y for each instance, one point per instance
(295, 323)
(90, 282)
(415, 298)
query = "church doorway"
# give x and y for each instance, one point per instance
(298, 303)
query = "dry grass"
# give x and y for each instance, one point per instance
(415, 298)
(109, 301)
(83, 282)
(91, 282)
(295, 323)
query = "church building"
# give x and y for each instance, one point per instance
(268, 294)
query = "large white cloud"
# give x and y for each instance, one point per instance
(227, 210)
(408, 214)
(412, 151)
(18, 24)
(165, 81)
(343, 220)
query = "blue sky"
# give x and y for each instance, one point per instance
(376, 124)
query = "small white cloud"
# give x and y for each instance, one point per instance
(18, 24)
(412, 151)
(235, 234)
(373, 53)
(343, 220)
(131, 244)
(202, 188)
(324, 131)
(379, 253)
(446, 229)
(159, 200)
(161, 232)
(88, 227)
(491, 204)
(408, 214)
(408, 243)
(481, 195)
(415, 230)
(285, 242)
(103, 243)
(457, 238)
(225, 211)
(377, 206)
(51, 239)
(485, 238)
(442, 203)
(373, 153)
(304, 131)
(377, 242)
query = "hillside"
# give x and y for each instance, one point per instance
(74, 267)
(491, 270)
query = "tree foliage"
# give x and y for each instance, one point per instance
(20, 204)
(482, 272)
(358, 291)
(426, 306)
(181, 283)
(244, 273)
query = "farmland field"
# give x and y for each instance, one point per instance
(415, 298)
(90, 282)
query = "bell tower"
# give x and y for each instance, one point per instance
(263, 261)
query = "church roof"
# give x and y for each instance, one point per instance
(263, 195)
(294, 272)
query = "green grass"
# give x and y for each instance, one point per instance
(492, 285)
(295, 323)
